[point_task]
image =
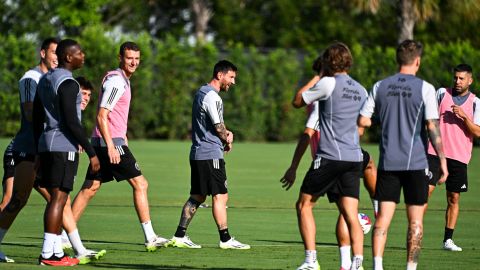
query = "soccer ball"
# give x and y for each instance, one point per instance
(365, 222)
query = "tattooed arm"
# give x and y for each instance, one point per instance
(436, 140)
(225, 135)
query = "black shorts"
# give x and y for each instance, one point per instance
(414, 183)
(8, 167)
(22, 156)
(434, 169)
(366, 159)
(457, 180)
(208, 177)
(338, 178)
(58, 170)
(126, 169)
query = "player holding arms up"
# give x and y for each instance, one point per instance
(337, 167)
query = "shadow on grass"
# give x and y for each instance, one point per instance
(156, 267)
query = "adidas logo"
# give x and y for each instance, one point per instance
(464, 186)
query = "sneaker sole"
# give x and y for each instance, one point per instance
(185, 246)
(239, 248)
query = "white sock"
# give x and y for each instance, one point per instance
(148, 230)
(48, 245)
(57, 246)
(411, 266)
(357, 262)
(345, 259)
(377, 263)
(375, 207)
(65, 237)
(310, 256)
(77, 244)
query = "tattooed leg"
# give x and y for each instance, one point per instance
(414, 241)
(188, 211)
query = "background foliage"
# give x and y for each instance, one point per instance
(273, 43)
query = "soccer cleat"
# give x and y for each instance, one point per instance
(5, 259)
(155, 243)
(309, 266)
(450, 245)
(90, 255)
(66, 244)
(56, 261)
(182, 242)
(233, 244)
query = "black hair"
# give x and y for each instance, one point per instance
(223, 66)
(463, 68)
(62, 49)
(128, 46)
(46, 42)
(84, 83)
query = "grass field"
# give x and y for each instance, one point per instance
(260, 213)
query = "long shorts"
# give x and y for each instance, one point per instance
(457, 180)
(208, 177)
(58, 170)
(366, 159)
(8, 167)
(338, 178)
(22, 156)
(127, 168)
(414, 184)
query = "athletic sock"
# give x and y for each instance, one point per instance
(411, 266)
(224, 235)
(57, 246)
(448, 234)
(377, 263)
(77, 242)
(181, 232)
(148, 230)
(310, 256)
(357, 262)
(65, 237)
(48, 243)
(345, 259)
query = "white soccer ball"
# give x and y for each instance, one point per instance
(365, 222)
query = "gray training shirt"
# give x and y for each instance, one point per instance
(207, 111)
(340, 99)
(402, 103)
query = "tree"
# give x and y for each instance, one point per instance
(411, 12)
(203, 14)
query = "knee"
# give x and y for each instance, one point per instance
(302, 206)
(91, 190)
(140, 184)
(453, 199)
(17, 201)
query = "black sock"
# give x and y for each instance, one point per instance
(181, 231)
(448, 234)
(224, 235)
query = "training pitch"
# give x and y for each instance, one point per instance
(260, 213)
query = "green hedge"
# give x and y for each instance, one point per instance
(257, 108)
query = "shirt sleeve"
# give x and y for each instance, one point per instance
(476, 111)
(213, 106)
(28, 88)
(440, 94)
(113, 89)
(320, 91)
(430, 101)
(312, 120)
(369, 105)
(67, 95)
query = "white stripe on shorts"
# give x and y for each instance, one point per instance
(71, 156)
(316, 163)
(120, 150)
(216, 164)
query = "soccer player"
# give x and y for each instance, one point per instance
(311, 134)
(337, 167)
(405, 106)
(23, 146)
(210, 139)
(8, 173)
(110, 143)
(72, 240)
(459, 125)
(58, 131)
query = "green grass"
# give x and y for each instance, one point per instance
(260, 213)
